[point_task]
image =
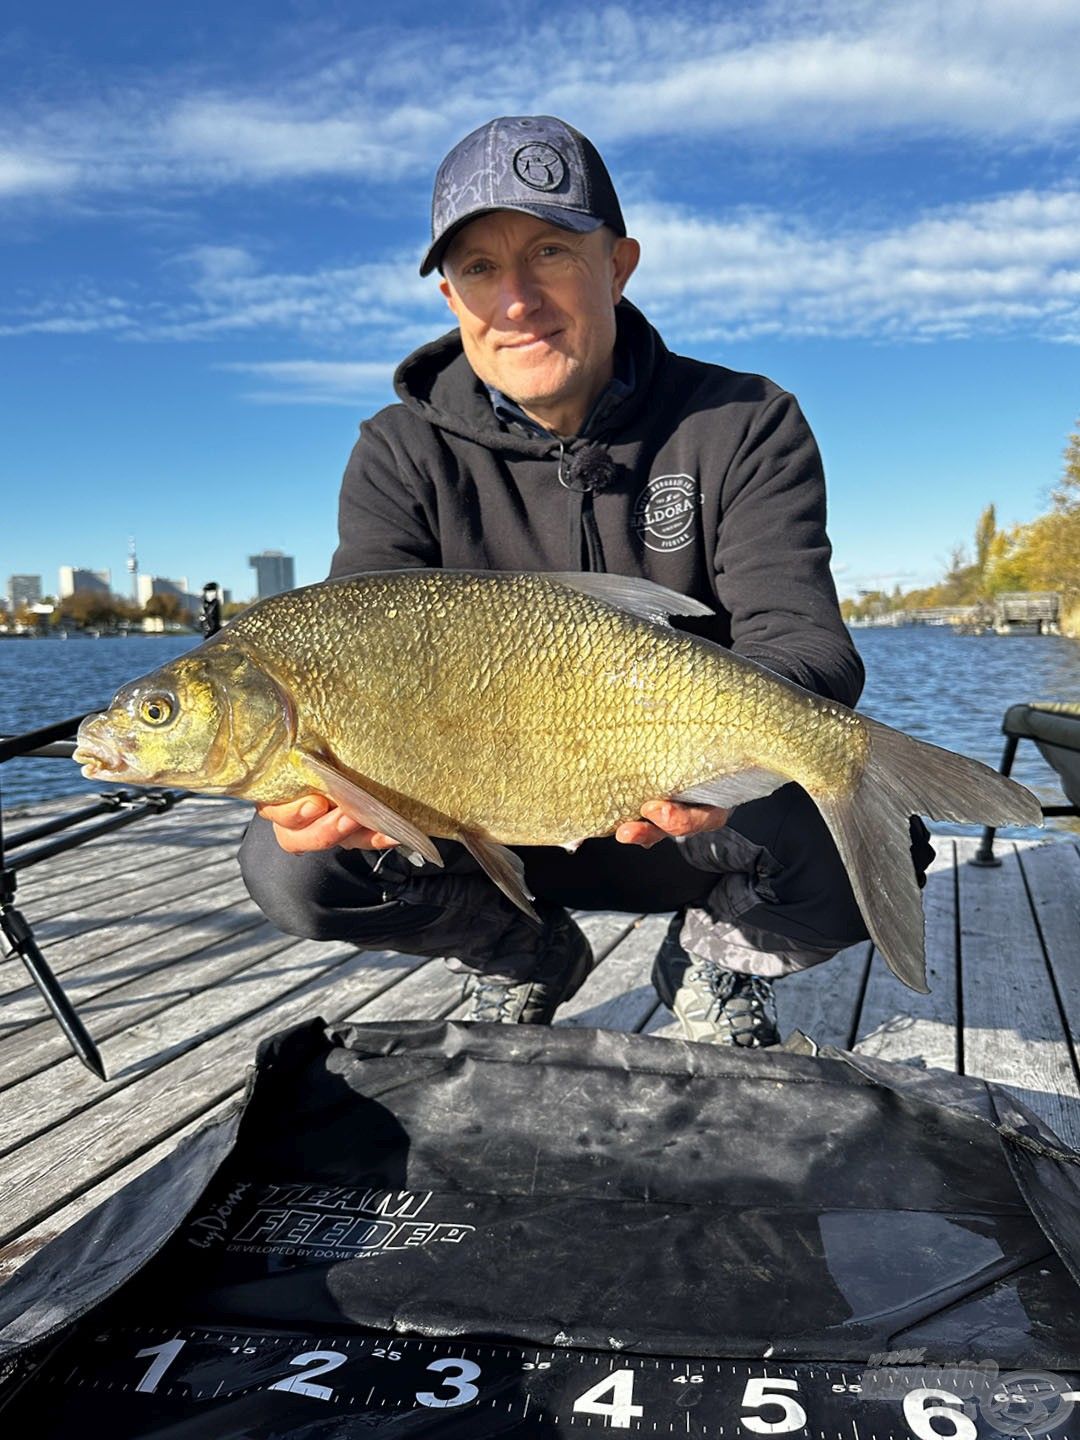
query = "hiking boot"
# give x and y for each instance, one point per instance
(713, 1005)
(564, 959)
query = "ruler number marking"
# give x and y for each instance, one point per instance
(764, 1390)
(165, 1354)
(321, 1362)
(464, 1389)
(920, 1415)
(620, 1409)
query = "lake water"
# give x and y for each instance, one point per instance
(43, 681)
(939, 686)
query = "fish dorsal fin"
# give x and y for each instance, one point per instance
(368, 809)
(640, 597)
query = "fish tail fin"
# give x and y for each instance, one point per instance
(903, 777)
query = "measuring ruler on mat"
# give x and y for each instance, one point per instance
(210, 1384)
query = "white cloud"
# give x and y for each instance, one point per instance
(1009, 265)
(830, 73)
(28, 174)
(85, 314)
(1006, 266)
(323, 382)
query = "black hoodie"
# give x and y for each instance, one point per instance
(714, 487)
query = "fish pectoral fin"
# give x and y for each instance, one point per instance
(727, 791)
(642, 598)
(504, 867)
(368, 809)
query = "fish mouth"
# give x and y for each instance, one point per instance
(97, 756)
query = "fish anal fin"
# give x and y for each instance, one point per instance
(365, 807)
(727, 791)
(503, 867)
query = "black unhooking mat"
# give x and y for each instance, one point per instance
(496, 1230)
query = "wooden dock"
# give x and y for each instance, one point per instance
(178, 977)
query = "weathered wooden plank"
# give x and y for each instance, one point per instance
(97, 884)
(16, 1254)
(38, 1047)
(99, 976)
(175, 830)
(619, 995)
(823, 1002)
(1052, 875)
(1013, 1032)
(92, 963)
(144, 890)
(605, 929)
(48, 1099)
(429, 992)
(89, 1147)
(896, 1023)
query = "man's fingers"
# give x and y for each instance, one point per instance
(674, 818)
(329, 830)
(639, 832)
(662, 819)
(295, 814)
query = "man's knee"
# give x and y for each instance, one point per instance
(302, 894)
(778, 872)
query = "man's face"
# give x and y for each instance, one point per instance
(536, 307)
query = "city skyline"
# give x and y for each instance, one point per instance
(212, 230)
(147, 583)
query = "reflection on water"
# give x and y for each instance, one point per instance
(939, 686)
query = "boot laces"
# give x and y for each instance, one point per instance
(489, 1001)
(744, 1001)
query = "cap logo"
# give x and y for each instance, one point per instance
(540, 166)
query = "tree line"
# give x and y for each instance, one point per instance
(89, 609)
(1041, 555)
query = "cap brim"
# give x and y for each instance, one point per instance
(565, 219)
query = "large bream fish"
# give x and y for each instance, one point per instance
(522, 709)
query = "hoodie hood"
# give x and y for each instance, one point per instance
(437, 383)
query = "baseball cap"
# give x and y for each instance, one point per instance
(533, 163)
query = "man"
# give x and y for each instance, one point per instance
(554, 431)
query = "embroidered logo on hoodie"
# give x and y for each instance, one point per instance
(665, 512)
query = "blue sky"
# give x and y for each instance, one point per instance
(211, 218)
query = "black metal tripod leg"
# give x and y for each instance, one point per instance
(21, 939)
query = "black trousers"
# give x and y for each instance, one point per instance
(767, 893)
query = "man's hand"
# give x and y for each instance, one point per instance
(664, 818)
(314, 823)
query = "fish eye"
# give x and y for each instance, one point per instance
(156, 709)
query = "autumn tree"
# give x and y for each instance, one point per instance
(86, 607)
(985, 533)
(167, 607)
(1066, 494)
